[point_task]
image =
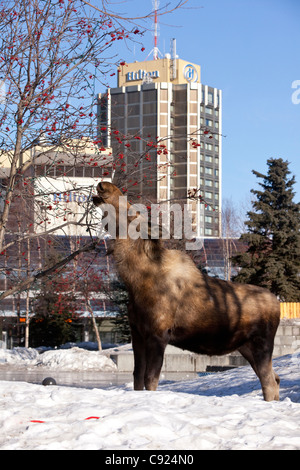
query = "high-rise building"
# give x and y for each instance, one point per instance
(171, 127)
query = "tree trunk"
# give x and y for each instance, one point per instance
(89, 308)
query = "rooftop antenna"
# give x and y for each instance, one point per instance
(173, 71)
(155, 50)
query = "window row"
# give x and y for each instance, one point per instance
(209, 159)
(209, 183)
(209, 123)
(70, 171)
(210, 111)
(210, 195)
(209, 219)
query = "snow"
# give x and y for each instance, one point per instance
(69, 359)
(217, 411)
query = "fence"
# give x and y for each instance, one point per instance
(289, 310)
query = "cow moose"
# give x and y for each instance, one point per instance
(172, 302)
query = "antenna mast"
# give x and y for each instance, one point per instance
(155, 50)
(173, 71)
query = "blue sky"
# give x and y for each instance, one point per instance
(251, 50)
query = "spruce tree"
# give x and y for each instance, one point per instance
(119, 297)
(272, 258)
(55, 309)
(54, 315)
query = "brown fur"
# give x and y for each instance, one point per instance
(171, 301)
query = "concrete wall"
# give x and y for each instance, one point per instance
(287, 341)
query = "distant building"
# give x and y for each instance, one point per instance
(48, 209)
(54, 189)
(14, 307)
(164, 101)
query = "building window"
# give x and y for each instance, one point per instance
(133, 97)
(208, 171)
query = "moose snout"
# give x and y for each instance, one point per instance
(97, 200)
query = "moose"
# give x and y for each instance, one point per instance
(172, 302)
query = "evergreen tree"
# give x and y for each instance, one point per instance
(55, 309)
(119, 296)
(272, 259)
(55, 314)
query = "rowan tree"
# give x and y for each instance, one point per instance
(53, 57)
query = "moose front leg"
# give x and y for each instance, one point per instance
(155, 350)
(139, 353)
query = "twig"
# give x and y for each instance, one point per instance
(32, 279)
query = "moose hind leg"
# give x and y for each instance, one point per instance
(269, 380)
(260, 359)
(262, 352)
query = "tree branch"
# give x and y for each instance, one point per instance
(27, 283)
(104, 11)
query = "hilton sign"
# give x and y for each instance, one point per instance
(141, 75)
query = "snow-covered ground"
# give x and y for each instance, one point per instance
(69, 359)
(217, 411)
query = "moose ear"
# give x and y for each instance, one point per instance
(153, 249)
(110, 246)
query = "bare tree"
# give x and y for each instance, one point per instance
(53, 56)
(52, 53)
(232, 227)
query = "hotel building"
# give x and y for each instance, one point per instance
(172, 127)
